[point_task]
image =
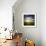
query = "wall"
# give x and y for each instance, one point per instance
(38, 34)
(28, 32)
(43, 22)
(6, 13)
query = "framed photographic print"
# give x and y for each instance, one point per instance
(29, 20)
